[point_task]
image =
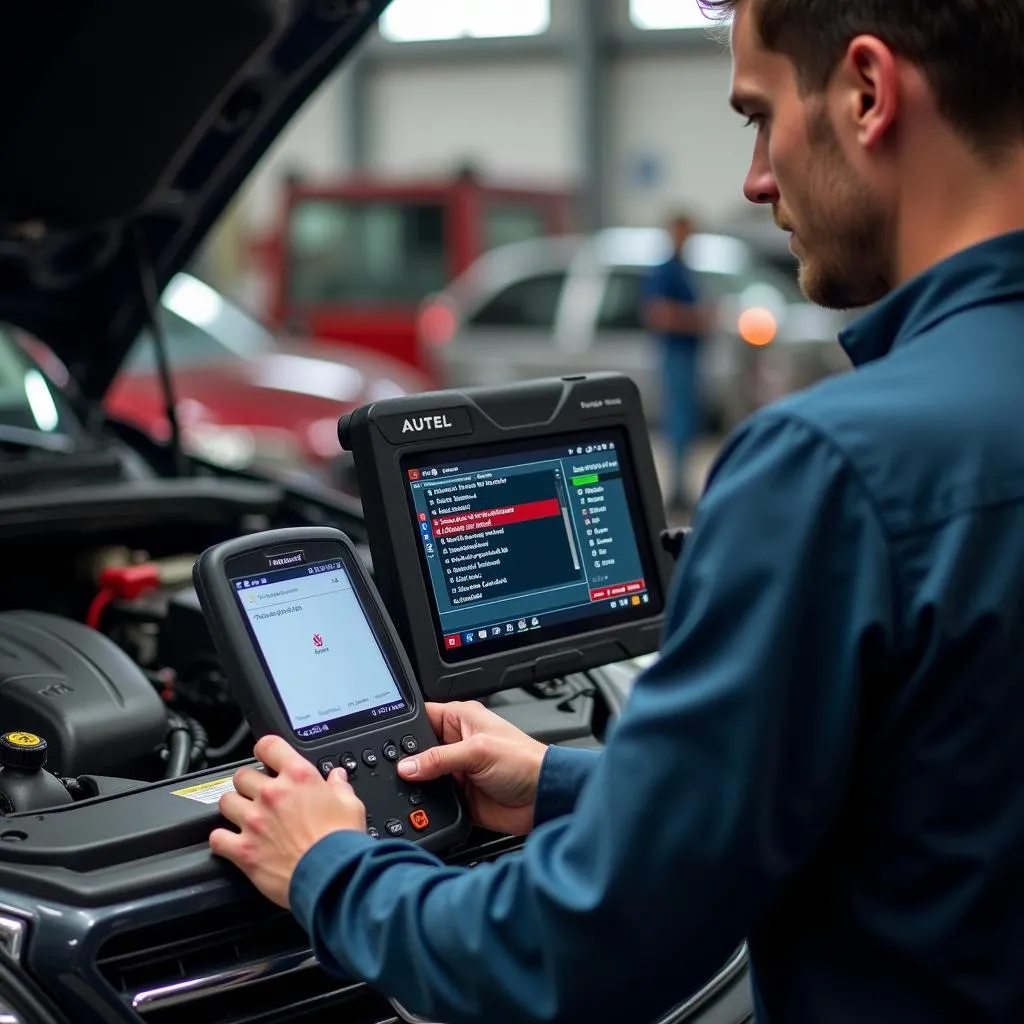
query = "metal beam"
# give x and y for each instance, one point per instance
(355, 96)
(589, 74)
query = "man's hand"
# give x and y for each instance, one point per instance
(496, 763)
(280, 818)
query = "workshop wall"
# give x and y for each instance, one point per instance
(513, 119)
(515, 112)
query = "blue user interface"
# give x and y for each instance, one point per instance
(524, 545)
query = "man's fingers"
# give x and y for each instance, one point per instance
(339, 778)
(275, 753)
(467, 756)
(226, 844)
(435, 714)
(234, 807)
(249, 782)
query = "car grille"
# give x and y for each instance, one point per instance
(242, 964)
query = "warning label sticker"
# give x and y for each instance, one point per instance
(206, 792)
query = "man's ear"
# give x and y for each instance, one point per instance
(869, 80)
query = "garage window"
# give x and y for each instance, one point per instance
(407, 21)
(664, 14)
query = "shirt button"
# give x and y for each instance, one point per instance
(391, 751)
(394, 827)
(369, 758)
(410, 744)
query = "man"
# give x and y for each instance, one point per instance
(826, 759)
(673, 314)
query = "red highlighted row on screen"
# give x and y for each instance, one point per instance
(617, 590)
(487, 519)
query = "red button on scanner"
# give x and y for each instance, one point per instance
(419, 820)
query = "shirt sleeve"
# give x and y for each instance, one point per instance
(656, 284)
(719, 784)
(563, 773)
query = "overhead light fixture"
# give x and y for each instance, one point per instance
(664, 14)
(407, 21)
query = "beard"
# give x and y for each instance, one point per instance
(843, 236)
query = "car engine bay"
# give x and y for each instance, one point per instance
(105, 654)
(106, 880)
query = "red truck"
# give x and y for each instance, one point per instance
(351, 262)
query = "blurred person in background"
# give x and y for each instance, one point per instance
(674, 314)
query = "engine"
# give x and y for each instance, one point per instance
(131, 691)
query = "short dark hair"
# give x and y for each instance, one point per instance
(971, 51)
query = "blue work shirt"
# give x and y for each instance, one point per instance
(828, 758)
(673, 281)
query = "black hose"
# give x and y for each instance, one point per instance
(234, 741)
(179, 746)
(200, 741)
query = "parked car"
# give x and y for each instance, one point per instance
(244, 398)
(127, 130)
(566, 305)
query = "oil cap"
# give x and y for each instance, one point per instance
(22, 750)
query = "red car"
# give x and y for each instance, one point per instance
(244, 398)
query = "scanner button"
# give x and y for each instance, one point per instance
(394, 827)
(391, 751)
(327, 765)
(370, 758)
(410, 744)
(348, 762)
(373, 833)
(415, 798)
(419, 820)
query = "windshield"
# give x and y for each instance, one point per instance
(27, 399)
(202, 329)
(378, 252)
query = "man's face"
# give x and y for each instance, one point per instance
(841, 229)
(681, 230)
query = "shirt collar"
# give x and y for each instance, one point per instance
(982, 273)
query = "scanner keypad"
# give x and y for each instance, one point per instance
(401, 809)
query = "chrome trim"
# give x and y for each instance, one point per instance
(210, 984)
(406, 1015)
(698, 1001)
(12, 938)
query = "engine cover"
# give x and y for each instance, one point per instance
(79, 691)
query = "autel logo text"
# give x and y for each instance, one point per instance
(417, 424)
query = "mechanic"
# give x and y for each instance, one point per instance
(676, 318)
(826, 759)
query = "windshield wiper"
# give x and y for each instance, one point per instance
(24, 439)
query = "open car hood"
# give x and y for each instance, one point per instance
(126, 126)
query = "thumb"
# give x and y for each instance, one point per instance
(463, 757)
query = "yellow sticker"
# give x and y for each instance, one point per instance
(24, 739)
(206, 792)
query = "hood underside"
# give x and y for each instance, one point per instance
(126, 127)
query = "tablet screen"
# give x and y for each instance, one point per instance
(528, 541)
